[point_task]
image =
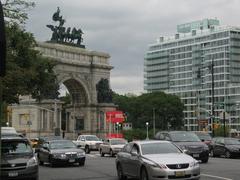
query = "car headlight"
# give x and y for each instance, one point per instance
(32, 162)
(194, 163)
(205, 148)
(233, 149)
(80, 154)
(62, 156)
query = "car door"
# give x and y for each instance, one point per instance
(218, 146)
(44, 152)
(125, 158)
(134, 162)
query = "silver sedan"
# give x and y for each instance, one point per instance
(154, 160)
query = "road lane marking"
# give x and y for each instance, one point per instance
(217, 177)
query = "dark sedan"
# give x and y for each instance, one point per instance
(187, 141)
(61, 152)
(228, 147)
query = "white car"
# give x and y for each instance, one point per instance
(112, 146)
(152, 160)
(88, 142)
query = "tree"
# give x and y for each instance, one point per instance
(27, 72)
(15, 11)
(139, 109)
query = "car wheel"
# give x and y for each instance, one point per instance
(111, 153)
(144, 174)
(40, 162)
(120, 173)
(205, 160)
(81, 163)
(101, 153)
(51, 162)
(227, 154)
(87, 149)
(212, 153)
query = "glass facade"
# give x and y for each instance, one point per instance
(182, 65)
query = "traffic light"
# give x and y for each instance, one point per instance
(2, 44)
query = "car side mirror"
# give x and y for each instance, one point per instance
(79, 146)
(202, 140)
(185, 151)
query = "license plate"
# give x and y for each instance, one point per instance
(179, 173)
(13, 174)
(71, 160)
(195, 155)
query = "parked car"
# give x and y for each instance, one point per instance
(228, 147)
(155, 160)
(112, 146)
(61, 152)
(18, 160)
(204, 137)
(187, 141)
(88, 142)
(42, 139)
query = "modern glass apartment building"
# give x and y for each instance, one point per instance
(200, 63)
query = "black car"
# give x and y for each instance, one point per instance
(228, 147)
(18, 160)
(188, 142)
(61, 152)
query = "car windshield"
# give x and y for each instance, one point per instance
(203, 136)
(184, 137)
(92, 138)
(159, 148)
(15, 147)
(232, 141)
(118, 141)
(62, 145)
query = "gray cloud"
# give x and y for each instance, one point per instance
(125, 28)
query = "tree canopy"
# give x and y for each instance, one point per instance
(167, 108)
(27, 71)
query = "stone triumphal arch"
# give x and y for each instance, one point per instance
(81, 71)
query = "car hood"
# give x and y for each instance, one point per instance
(118, 146)
(53, 151)
(94, 142)
(189, 143)
(15, 159)
(233, 146)
(170, 158)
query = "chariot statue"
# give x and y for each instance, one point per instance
(61, 34)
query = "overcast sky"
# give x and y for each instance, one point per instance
(124, 28)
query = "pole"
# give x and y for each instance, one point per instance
(212, 71)
(224, 124)
(154, 129)
(147, 130)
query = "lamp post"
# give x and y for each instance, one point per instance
(117, 128)
(154, 119)
(212, 118)
(147, 138)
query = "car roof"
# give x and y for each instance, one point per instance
(13, 137)
(140, 142)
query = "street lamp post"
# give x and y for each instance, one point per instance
(147, 130)
(154, 119)
(117, 128)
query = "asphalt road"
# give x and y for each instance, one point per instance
(103, 168)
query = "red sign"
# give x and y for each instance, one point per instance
(115, 135)
(114, 116)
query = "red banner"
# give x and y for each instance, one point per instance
(114, 135)
(114, 116)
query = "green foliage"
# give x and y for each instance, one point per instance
(220, 131)
(27, 72)
(15, 11)
(168, 110)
